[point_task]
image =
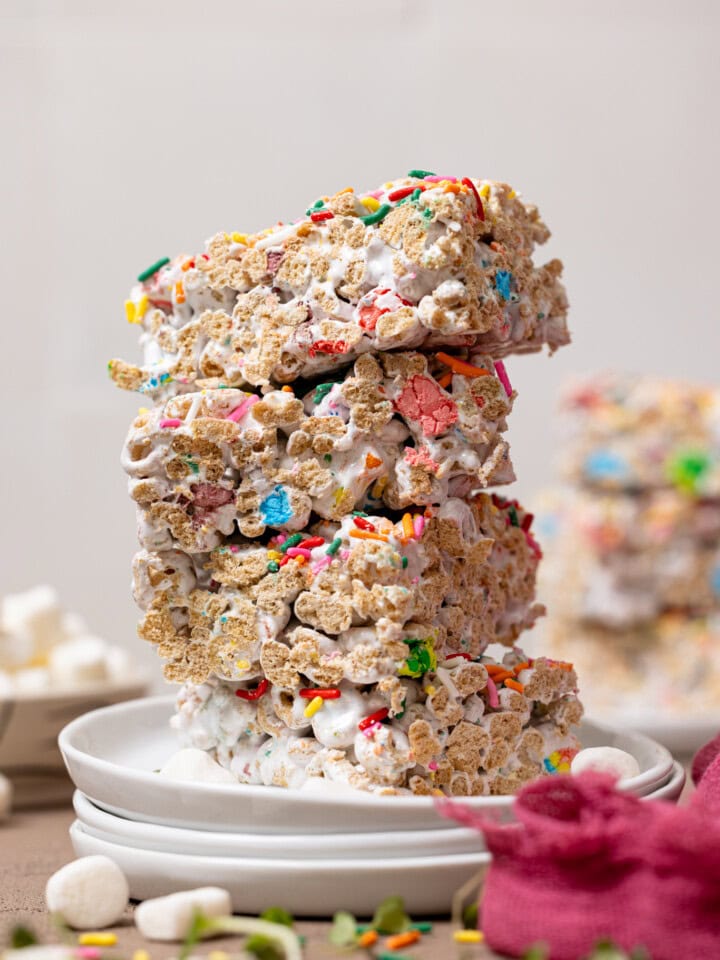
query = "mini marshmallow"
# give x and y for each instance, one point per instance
(32, 680)
(35, 616)
(169, 918)
(89, 893)
(606, 760)
(6, 795)
(45, 951)
(193, 764)
(77, 662)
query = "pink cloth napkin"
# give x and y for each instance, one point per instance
(585, 863)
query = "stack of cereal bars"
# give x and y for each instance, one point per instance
(320, 567)
(633, 571)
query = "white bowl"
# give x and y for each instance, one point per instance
(29, 728)
(357, 846)
(672, 790)
(111, 755)
(306, 888)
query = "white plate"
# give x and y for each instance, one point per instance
(672, 790)
(680, 735)
(111, 755)
(359, 846)
(29, 728)
(306, 888)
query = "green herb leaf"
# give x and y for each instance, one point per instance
(194, 934)
(344, 930)
(390, 916)
(22, 937)
(470, 916)
(277, 915)
(537, 952)
(262, 947)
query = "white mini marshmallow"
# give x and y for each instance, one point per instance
(606, 760)
(193, 764)
(169, 918)
(32, 680)
(45, 951)
(89, 893)
(6, 795)
(34, 618)
(79, 662)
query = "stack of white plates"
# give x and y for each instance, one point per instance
(312, 851)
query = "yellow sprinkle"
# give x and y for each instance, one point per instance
(142, 306)
(243, 664)
(377, 490)
(239, 237)
(312, 708)
(228, 237)
(371, 203)
(218, 955)
(97, 938)
(140, 955)
(131, 311)
(431, 691)
(338, 495)
(144, 410)
(512, 194)
(484, 190)
(468, 936)
(274, 555)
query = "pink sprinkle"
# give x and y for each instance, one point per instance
(418, 525)
(372, 730)
(321, 564)
(432, 765)
(503, 377)
(280, 538)
(376, 194)
(171, 423)
(436, 179)
(298, 552)
(88, 953)
(344, 554)
(239, 412)
(234, 548)
(492, 693)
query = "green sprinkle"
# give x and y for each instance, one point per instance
(427, 213)
(334, 546)
(146, 274)
(415, 194)
(424, 926)
(377, 216)
(421, 174)
(291, 541)
(318, 205)
(405, 563)
(273, 566)
(392, 956)
(358, 513)
(512, 513)
(328, 458)
(322, 390)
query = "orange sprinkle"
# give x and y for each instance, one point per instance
(445, 379)
(344, 190)
(179, 292)
(565, 666)
(287, 389)
(462, 366)
(515, 685)
(453, 188)
(186, 266)
(372, 461)
(521, 666)
(401, 940)
(367, 535)
(367, 939)
(407, 525)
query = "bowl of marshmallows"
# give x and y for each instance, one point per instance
(52, 669)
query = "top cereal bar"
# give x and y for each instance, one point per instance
(423, 262)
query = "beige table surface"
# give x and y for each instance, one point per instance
(33, 844)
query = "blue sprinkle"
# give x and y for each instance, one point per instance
(548, 765)
(502, 283)
(275, 508)
(605, 465)
(715, 580)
